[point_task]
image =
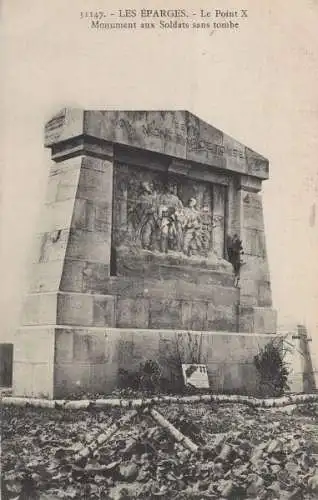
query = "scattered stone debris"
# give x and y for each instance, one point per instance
(240, 452)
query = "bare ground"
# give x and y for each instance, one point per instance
(244, 452)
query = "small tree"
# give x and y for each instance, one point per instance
(272, 370)
(147, 378)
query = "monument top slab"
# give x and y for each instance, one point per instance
(178, 134)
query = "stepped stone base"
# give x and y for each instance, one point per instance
(55, 362)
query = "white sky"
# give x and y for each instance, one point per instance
(258, 85)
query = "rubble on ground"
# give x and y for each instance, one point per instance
(243, 452)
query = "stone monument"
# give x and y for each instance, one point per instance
(152, 227)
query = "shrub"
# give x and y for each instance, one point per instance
(148, 377)
(272, 370)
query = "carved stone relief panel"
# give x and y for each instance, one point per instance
(159, 213)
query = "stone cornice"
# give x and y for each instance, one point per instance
(178, 134)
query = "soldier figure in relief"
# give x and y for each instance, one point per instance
(168, 205)
(146, 216)
(192, 242)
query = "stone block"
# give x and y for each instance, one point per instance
(248, 284)
(95, 185)
(103, 377)
(246, 319)
(151, 288)
(215, 278)
(248, 375)
(215, 376)
(165, 313)
(86, 359)
(249, 292)
(251, 199)
(33, 372)
(104, 310)
(71, 378)
(231, 376)
(141, 129)
(63, 180)
(34, 345)
(78, 377)
(96, 277)
(92, 216)
(145, 347)
(157, 288)
(72, 276)
(87, 245)
(67, 123)
(265, 320)
(220, 348)
(126, 286)
(186, 311)
(248, 300)
(112, 340)
(56, 216)
(250, 184)
(198, 315)
(222, 296)
(75, 309)
(255, 268)
(33, 380)
(254, 242)
(64, 346)
(264, 294)
(261, 320)
(50, 246)
(52, 187)
(206, 146)
(83, 216)
(216, 347)
(126, 352)
(253, 217)
(221, 318)
(102, 216)
(45, 276)
(40, 309)
(85, 276)
(22, 384)
(169, 356)
(132, 313)
(89, 346)
(65, 165)
(99, 164)
(68, 184)
(202, 292)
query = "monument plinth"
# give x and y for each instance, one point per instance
(133, 247)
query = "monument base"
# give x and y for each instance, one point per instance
(60, 361)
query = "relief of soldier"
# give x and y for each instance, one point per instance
(169, 206)
(143, 215)
(163, 223)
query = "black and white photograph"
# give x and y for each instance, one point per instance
(159, 243)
